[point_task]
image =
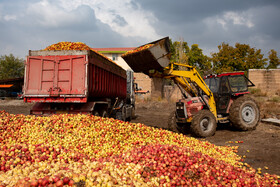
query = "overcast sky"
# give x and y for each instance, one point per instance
(35, 24)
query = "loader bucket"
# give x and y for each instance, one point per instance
(156, 57)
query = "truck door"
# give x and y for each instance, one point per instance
(40, 74)
(224, 95)
(71, 75)
(56, 76)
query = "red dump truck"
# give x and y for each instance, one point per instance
(76, 81)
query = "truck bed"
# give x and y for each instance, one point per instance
(71, 76)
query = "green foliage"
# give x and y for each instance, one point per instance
(182, 53)
(198, 59)
(179, 52)
(239, 58)
(257, 92)
(275, 99)
(11, 67)
(274, 61)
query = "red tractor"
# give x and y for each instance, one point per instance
(230, 91)
(218, 98)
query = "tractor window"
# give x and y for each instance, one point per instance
(213, 84)
(237, 83)
(224, 87)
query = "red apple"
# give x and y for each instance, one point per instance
(59, 183)
(66, 180)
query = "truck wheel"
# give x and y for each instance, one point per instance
(244, 114)
(203, 124)
(95, 113)
(133, 116)
(172, 124)
(104, 114)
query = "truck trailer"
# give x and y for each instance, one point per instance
(77, 81)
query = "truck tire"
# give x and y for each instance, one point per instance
(133, 116)
(172, 124)
(104, 114)
(203, 124)
(244, 113)
(95, 113)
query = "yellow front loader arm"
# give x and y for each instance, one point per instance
(188, 77)
(155, 62)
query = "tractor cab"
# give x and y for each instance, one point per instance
(226, 87)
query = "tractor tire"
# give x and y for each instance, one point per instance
(203, 124)
(172, 124)
(244, 114)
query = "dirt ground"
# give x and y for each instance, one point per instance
(261, 146)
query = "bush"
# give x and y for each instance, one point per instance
(257, 92)
(275, 99)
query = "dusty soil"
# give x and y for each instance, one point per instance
(261, 146)
(15, 106)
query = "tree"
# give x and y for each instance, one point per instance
(182, 53)
(11, 67)
(239, 58)
(198, 59)
(251, 57)
(223, 59)
(179, 49)
(274, 61)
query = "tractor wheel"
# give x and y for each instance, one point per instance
(172, 124)
(203, 124)
(244, 114)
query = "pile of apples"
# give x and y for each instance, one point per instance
(67, 46)
(73, 46)
(86, 150)
(138, 49)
